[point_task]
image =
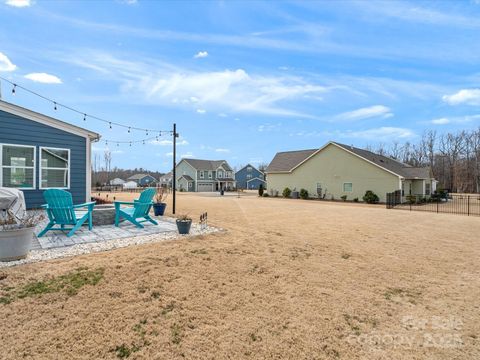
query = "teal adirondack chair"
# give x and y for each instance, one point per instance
(141, 208)
(62, 212)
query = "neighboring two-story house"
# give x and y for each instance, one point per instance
(204, 175)
(165, 181)
(143, 180)
(249, 177)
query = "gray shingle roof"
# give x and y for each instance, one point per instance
(208, 164)
(138, 176)
(186, 177)
(286, 161)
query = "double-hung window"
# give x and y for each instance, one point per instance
(347, 187)
(54, 168)
(17, 166)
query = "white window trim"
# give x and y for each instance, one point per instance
(34, 167)
(348, 182)
(40, 167)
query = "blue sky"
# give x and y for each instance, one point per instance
(244, 80)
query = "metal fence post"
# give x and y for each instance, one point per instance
(468, 205)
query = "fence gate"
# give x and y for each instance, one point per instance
(394, 198)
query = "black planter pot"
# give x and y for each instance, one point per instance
(159, 209)
(183, 226)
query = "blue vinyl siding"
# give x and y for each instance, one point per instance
(18, 130)
(143, 181)
(241, 178)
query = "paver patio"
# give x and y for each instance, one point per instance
(58, 239)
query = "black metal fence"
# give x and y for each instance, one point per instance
(451, 204)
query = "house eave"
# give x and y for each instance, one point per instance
(47, 120)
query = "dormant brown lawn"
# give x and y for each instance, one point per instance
(288, 279)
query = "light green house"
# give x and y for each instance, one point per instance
(335, 170)
(204, 175)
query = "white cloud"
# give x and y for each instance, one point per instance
(224, 91)
(19, 3)
(6, 64)
(455, 120)
(102, 149)
(464, 96)
(43, 78)
(201, 54)
(381, 133)
(220, 150)
(165, 142)
(201, 111)
(268, 127)
(186, 155)
(365, 113)
(440, 121)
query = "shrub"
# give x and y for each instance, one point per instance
(343, 197)
(260, 190)
(303, 194)
(265, 195)
(286, 192)
(355, 200)
(412, 199)
(370, 197)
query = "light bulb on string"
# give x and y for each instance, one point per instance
(118, 144)
(129, 129)
(143, 142)
(146, 132)
(84, 117)
(130, 143)
(110, 124)
(54, 105)
(13, 89)
(106, 142)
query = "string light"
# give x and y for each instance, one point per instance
(57, 105)
(130, 128)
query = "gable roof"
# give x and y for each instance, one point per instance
(286, 161)
(47, 120)
(186, 177)
(139, 176)
(289, 160)
(251, 167)
(208, 164)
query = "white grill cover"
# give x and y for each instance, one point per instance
(12, 199)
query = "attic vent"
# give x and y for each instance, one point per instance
(381, 160)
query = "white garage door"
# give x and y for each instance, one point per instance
(204, 187)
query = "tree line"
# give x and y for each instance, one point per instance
(453, 157)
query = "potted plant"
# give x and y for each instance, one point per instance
(16, 234)
(184, 222)
(160, 205)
